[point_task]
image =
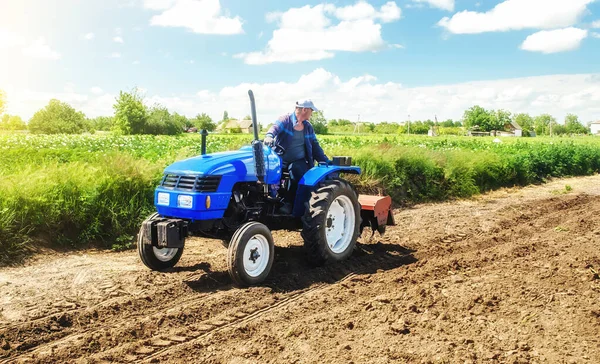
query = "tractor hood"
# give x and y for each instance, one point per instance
(208, 163)
(238, 163)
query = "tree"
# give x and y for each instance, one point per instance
(203, 121)
(130, 113)
(559, 129)
(57, 117)
(480, 117)
(12, 122)
(542, 124)
(160, 121)
(225, 116)
(525, 121)
(182, 121)
(318, 122)
(104, 123)
(502, 120)
(387, 128)
(574, 126)
(447, 124)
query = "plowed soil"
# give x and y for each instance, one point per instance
(511, 277)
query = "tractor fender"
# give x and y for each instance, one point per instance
(320, 172)
(312, 178)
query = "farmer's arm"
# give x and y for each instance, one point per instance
(275, 128)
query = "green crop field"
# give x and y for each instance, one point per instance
(94, 190)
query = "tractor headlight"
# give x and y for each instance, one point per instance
(184, 201)
(163, 198)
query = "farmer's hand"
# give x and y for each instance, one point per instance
(269, 141)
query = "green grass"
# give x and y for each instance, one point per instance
(77, 191)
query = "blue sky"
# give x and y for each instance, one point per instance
(381, 59)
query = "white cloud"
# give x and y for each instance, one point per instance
(440, 4)
(39, 49)
(115, 55)
(96, 90)
(199, 16)
(516, 15)
(135, 62)
(88, 36)
(596, 24)
(362, 10)
(308, 33)
(118, 40)
(554, 41)
(595, 35)
(158, 4)
(374, 100)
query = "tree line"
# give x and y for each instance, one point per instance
(133, 116)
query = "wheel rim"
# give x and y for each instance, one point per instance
(340, 222)
(165, 254)
(256, 255)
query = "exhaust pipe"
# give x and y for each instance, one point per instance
(257, 146)
(204, 133)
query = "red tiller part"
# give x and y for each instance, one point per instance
(380, 205)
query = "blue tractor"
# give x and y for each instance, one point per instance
(235, 196)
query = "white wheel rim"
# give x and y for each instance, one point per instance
(164, 254)
(339, 223)
(256, 255)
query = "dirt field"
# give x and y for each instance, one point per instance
(512, 276)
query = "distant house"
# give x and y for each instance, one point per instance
(246, 126)
(233, 125)
(595, 127)
(515, 129)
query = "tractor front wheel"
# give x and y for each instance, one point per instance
(331, 222)
(156, 258)
(250, 254)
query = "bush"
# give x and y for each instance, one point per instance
(57, 118)
(12, 122)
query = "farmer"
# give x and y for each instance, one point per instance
(294, 133)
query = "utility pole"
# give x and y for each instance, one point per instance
(357, 126)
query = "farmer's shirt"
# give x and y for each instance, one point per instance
(296, 149)
(283, 133)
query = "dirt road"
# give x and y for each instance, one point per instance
(512, 276)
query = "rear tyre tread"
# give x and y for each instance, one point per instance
(314, 221)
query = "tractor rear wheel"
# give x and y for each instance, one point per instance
(157, 258)
(250, 254)
(331, 222)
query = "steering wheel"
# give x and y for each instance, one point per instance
(278, 149)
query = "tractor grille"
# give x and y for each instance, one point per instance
(191, 183)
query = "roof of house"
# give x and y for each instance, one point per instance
(515, 125)
(244, 124)
(596, 122)
(231, 123)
